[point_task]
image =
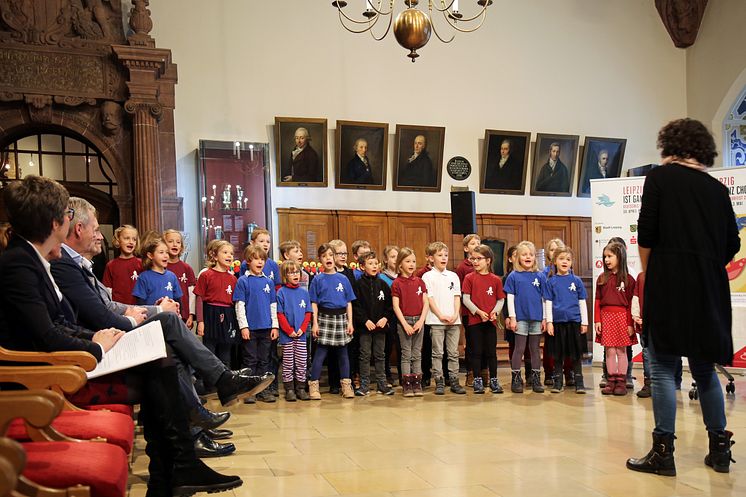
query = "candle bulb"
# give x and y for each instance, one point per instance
(455, 5)
(251, 151)
(368, 6)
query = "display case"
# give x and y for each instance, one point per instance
(234, 191)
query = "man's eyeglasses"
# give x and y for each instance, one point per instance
(70, 213)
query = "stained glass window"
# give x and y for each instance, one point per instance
(734, 133)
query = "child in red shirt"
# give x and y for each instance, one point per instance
(183, 271)
(121, 273)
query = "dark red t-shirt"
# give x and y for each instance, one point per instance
(185, 275)
(464, 268)
(216, 287)
(484, 290)
(409, 290)
(121, 275)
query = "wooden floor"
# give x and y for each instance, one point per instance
(469, 445)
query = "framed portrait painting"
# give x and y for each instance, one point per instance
(362, 150)
(553, 169)
(504, 162)
(602, 158)
(418, 153)
(300, 148)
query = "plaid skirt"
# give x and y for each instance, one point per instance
(333, 330)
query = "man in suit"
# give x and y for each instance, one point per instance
(303, 165)
(596, 170)
(419, 169)
(507, 174)
(358, 169)
(32, 318)
(553, 176)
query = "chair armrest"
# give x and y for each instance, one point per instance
(68, 358)
(61, 379)
(12, 462)
(36, 407)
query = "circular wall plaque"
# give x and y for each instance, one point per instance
(458, 168)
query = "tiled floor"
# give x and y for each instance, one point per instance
(469, 445)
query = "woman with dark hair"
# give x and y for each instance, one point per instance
(687, 233)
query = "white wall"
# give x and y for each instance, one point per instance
(556, 66)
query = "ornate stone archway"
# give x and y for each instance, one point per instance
(67, 64)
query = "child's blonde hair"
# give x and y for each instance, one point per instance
(336, 244)
(150, 248)
(286, 267)
(254, 252)
(175, 232)
(260, 231)
(404, 252)
(288, 245)
(122, 229)
(559, 245)
(468, 238)
(212, 251)
(435, 247)
(559, 251)
(523, 246)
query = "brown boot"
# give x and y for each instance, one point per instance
(407, 385)
(485, 377)
(347, 391)
(469, 379)
(417, 385)
(620, 386)
(610, 384)
(313, 390)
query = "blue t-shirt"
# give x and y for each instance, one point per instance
(565, 292)
(357, 273)
(152, 285)
(527, 288)
(271, 270)
(332, 291)
(294, 303)
(388, 279)
(258, 294)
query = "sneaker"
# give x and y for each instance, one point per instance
(495, 386)
(385, 388)
(457, 388)
(604, 381)
(250, 400)
(478, 385)
(266, 396)
(363, 389)
(548, 379)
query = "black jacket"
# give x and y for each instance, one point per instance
(373, 302)
(78, 287)
(32, 318)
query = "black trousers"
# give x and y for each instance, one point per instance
(482, 340)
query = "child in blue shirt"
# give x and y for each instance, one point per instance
(271, 270)
(567, 319)
(256, 312)
(331, 299)
(524, 287)
(156, 282)
(294, 315)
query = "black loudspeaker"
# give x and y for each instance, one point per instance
(463, 213)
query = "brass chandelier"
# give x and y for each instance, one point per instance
(412, 27)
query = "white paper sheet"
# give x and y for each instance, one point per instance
(141, 345)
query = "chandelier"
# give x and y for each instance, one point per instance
(412, 27)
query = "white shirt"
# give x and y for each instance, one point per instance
(47, 268)
(442, 287)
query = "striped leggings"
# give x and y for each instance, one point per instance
(294, 360)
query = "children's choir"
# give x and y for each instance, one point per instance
(349, 316)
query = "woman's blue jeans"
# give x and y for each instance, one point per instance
(663, 372)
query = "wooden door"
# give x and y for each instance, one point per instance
(541, 229)
(363, 225)
(412, 230)
(310, 227)
(582, 245)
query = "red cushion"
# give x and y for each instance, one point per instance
(116, 428)
(109, 389)
(120, 408)
(101, 466)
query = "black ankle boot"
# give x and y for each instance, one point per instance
(536, 385)
(557, 385)
(720, 457)
(516, 383)
(660, 458)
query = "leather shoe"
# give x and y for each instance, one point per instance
(207, 419)
(219, 434)
(233, 386)
(198, 477)
(205, 446)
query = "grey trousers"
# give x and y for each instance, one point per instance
(372, 341)
(411, 348)
(445, 334)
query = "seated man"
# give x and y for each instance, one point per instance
(32, 317)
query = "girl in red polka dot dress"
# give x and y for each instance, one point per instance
(612, 316)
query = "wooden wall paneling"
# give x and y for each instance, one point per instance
(454, 242)
(413, 230)
(582, 245)
(541, 229)
(310, 227)
(511, 229)
(363, 225)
